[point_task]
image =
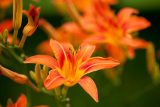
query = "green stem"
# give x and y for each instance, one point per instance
(30, 84)
(21, 44)
(15, 55)
(47, 92)
(60, 95)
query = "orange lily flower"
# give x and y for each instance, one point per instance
(70, 67)
(117, 31)
(22, 102)
(70, 31)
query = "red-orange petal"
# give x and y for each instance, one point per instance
(90, 87)
(97, 63)
(53, 80)
(42, 59)
(85, 52)
(135, 43)
(137, 23)
(22, 101)
(7, 24)
(125, 13)
(95, 39)
(59, 51)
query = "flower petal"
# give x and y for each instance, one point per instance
(85, 52)
(97, 63)
(137, 23)
(22, 101)
(125, 13)
(116, 52)
(96, 39)
(59, 51)
(90, 87)
(19, 78)
(42, 59)
(135, 43)
(53, 80)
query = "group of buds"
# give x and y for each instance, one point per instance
(30, 27)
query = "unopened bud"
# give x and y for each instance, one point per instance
(33, 17)
(37, 72)
(17, 13)
(33, 75)
(19, 78)
(5, 35)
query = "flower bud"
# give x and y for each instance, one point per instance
(19, 78)
(17, 13)
(33, 16)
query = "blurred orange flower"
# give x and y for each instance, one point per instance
(68, 32)
(84, 6)
(117, 31)
(71, 67)
(5, 3)
(7, 24)
(21, 102)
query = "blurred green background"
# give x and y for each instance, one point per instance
(136, 89)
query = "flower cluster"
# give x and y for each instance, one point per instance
(93, 26)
